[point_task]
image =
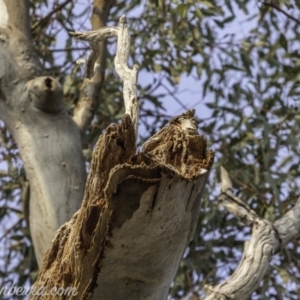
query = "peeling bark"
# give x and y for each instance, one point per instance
(138, 215)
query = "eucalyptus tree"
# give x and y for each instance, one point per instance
(247, 79)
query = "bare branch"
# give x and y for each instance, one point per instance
(266, 240)
(233, 204)
(129, 76)
(276, 7)
(174, 97)
(225, 180)
(95, 70)
(69, 49)
(94, 38)
(253, 265)
(50, 14)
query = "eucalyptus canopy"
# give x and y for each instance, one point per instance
(240, 62)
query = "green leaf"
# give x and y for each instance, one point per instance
(283, 42)
(245, 57)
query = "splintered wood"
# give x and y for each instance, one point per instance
(138, 215)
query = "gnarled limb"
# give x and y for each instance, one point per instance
(95, 70)
(266, 240)
(233, 204)
(129, 76)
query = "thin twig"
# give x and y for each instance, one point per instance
(8, 231)
(174, 97)
(58, 8)
(233, 204)
(69, 49)
(270, 4)
(12, 209)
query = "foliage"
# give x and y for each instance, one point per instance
(243, 57)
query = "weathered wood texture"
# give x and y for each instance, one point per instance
(137, 217)
(266, 240)
(95, 72)
(128, 75)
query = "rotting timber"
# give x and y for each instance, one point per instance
(138, 215)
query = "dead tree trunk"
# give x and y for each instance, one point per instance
(140, 209)
(138, 215)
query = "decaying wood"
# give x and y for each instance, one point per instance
(140, 209)
(138, 215)
(266, 240)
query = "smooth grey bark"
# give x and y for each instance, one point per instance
(49, 141)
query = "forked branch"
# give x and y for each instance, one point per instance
(267, 239)
(128, 75)
(233, 204)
